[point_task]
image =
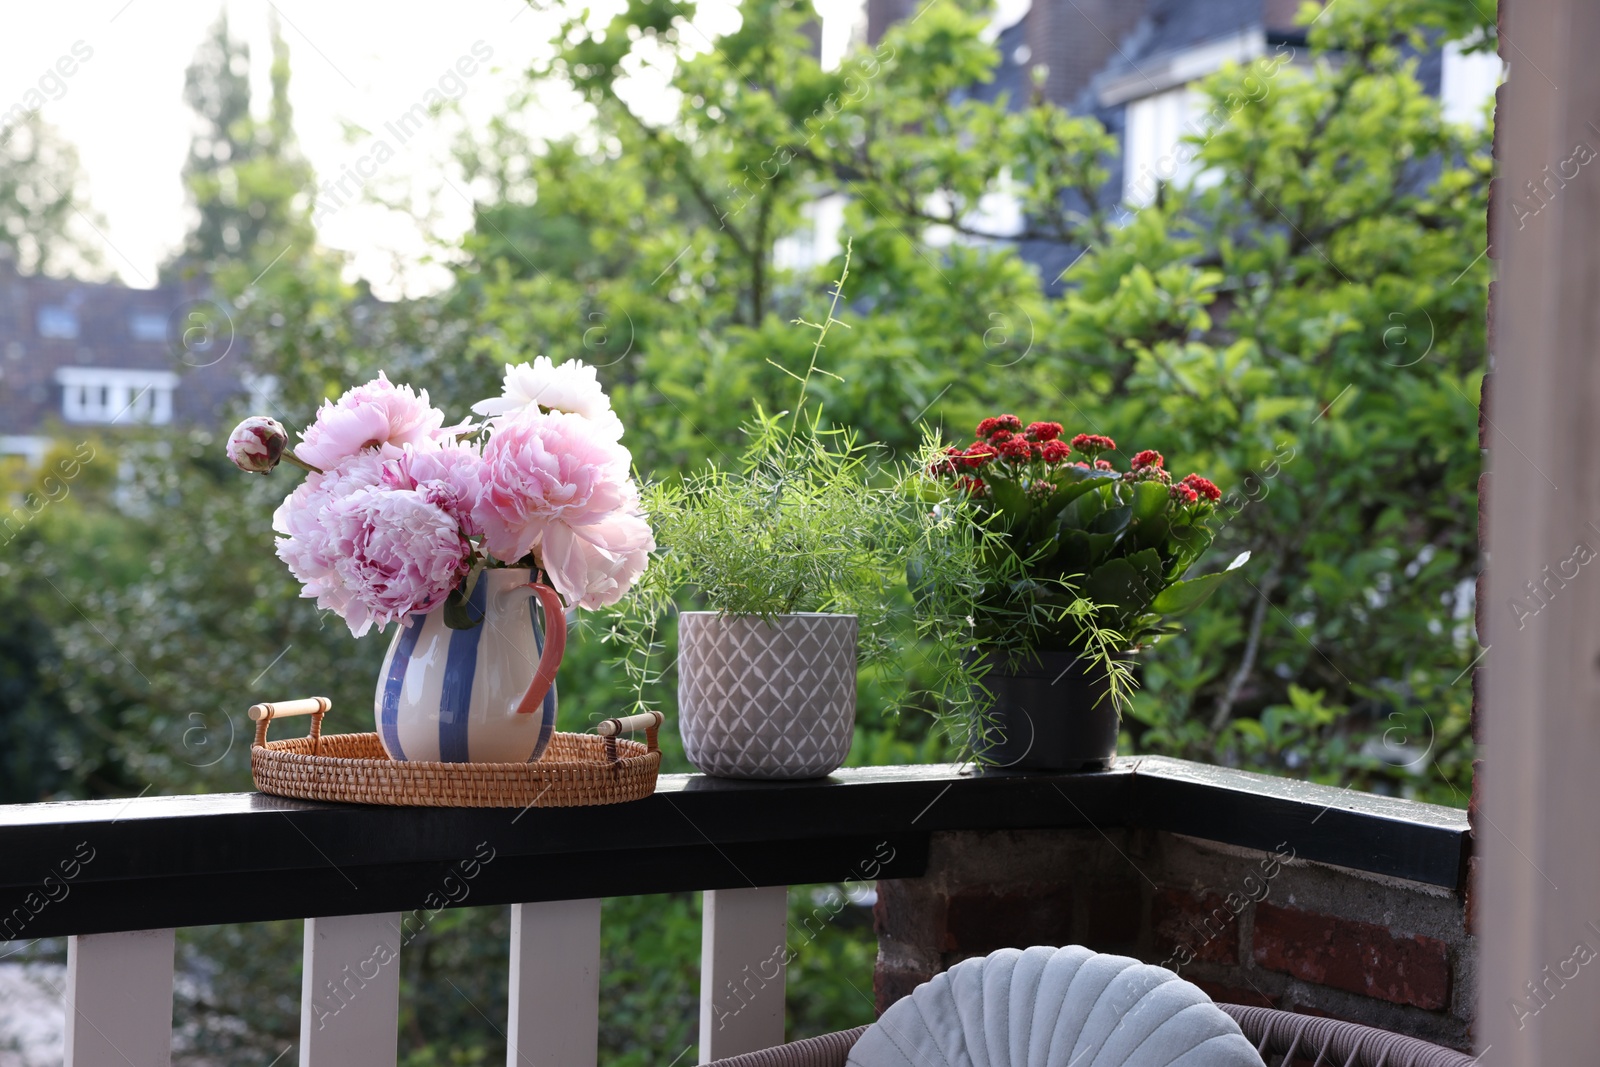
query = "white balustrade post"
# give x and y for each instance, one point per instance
(743, 954)
(119, 999)
(555, 985)
(350, 991)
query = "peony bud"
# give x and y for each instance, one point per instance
(256, 445)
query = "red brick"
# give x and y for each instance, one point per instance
(1229, 994)
(1203, 924)
(1281, 14)
(911, 912)
(1358, 957)
(890, 983)
(980, 919)
(1108, 917)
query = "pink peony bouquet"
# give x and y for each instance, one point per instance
(399, 508)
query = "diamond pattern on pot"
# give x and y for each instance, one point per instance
(760, 700)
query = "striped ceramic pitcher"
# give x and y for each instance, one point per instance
(484, 695)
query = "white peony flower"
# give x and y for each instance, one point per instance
(571, 387)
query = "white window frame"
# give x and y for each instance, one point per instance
(1152, 138)
(1467, 82)
(30, 447)
(111, 395)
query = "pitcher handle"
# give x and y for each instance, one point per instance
(555, 646)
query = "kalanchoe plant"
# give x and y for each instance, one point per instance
(1087, 553)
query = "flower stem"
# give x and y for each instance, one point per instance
(298, 462)
(822, 336)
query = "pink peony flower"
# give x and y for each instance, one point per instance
(304, 544)
(538, 468)
(570, 387)
(593, 566)
(310, 496)
(256, 445)
(371, 416)
(370, 553)
(447, 477)
(555, 483)
(397, 554)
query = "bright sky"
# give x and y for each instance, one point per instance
(354, 64)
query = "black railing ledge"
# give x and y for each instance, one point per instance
(239, 857)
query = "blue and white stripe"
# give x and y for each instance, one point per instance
(451, 695)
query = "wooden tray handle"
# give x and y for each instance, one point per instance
(648, 721)
(316, 707)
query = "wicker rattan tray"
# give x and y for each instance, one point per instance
(576, 769)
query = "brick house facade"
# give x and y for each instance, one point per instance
(76, 353)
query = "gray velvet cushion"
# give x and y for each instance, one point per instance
(1049, 1007)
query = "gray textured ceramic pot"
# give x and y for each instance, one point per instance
(766, 700)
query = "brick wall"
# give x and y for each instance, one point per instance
(1248, 927)
(1282, 15)
(1075, 39)
(881, 14)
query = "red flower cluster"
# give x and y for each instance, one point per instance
(988, 427)
(1202, 487)
(1002, 437)
(1148, 458)
(1148, 474)
(945, 467)
(1017, 448)
(1194, 489)
(977, 454)
(1092, 444)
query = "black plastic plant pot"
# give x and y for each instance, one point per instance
(1052, 712)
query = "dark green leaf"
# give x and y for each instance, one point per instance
(458, 613)
(1113, 521)
(1012, 502)
(1149, 500)
(1083, 510)
(1181, 597)
(1149, 533)
(1072, 489)
(1129, 582)
(1080, 552)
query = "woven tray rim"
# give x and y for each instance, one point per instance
(542, 783)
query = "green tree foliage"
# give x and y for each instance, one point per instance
(1305, 326)
(42, 201)
(246, 179)
(1308, 328)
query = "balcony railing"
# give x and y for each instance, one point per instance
(118, 877)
